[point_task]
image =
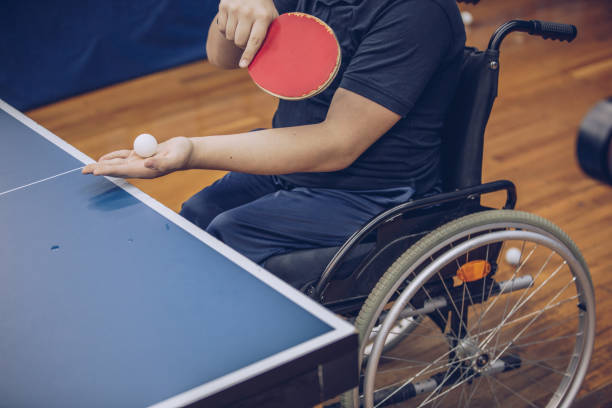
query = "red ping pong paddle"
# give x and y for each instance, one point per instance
(299, 57)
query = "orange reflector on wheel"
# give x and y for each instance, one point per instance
(473, 271)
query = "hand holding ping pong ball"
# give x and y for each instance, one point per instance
(145, 145)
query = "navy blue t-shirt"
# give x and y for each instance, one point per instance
(402, 54)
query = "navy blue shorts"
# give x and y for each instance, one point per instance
(262, 216)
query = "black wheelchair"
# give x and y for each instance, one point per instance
(456, 303)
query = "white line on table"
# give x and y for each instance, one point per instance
(39, 181)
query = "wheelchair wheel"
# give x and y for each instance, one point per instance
(501, 312)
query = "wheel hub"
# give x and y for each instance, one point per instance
(471, 355)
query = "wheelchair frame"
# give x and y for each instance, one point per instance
(426, 246)
(379, 302)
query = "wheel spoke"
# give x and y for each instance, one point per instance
(461, 398)
(533, 320)
(445, 365)
(507, 296)
(520, 303)
(450, 298)
(527, 316)
(496, 298)
(484, 287)
(411, 379)
(457, 384)
(475, 387)
(396, 369)
(493, 392)
(544, 366)
(557, 323)
(526, 292)
(421, 363)
(519, 345)
(514, 392)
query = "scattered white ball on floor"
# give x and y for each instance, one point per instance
(467, 18)
(145, 145)
(513, 256)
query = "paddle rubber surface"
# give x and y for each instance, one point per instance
(299, 58)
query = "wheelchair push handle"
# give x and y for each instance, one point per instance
(544, 29)
(554, 31)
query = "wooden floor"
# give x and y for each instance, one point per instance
(546, 88)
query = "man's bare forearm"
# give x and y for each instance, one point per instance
(353, 123)
(309, 148)
(220, 51)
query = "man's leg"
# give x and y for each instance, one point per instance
(233, 190)
(301, 218)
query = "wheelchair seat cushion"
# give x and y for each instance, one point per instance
(300, 267)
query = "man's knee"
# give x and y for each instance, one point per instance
(223, 226)
(198, 212)
(188, 211)
(241, 235)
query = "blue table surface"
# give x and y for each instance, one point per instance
(104, 302)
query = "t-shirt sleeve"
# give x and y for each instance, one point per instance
(399, 54)
(285, 6)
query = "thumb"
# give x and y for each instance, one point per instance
(162, 164)
(152, 163)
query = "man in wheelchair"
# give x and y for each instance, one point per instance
(367, 197)
(331, 162)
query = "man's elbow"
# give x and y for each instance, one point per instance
(214, 59)
(217, 58)
(340, 162)
(340, 156)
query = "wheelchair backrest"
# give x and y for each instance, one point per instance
(463, 132)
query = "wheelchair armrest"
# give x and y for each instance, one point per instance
(469, 193)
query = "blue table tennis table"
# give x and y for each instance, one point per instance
(110, 299)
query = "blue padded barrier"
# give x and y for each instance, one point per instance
(51, 50)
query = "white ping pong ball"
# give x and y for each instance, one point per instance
(467, 18)
(145, 145)
(513, 256)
